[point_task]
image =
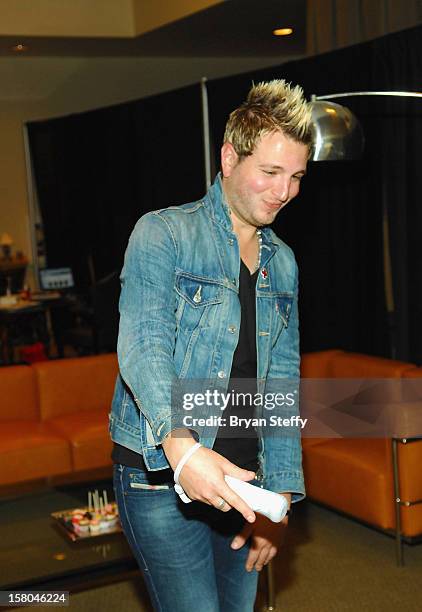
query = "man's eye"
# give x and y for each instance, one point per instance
(270, 172)
(298, 178)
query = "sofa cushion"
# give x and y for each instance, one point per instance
(354, 476)
(356, 365)
(18, 393)
(413, 372)
(410, 461)
(69, 386)
(30, 450)
(317, 365)
(87, 433)
(311, 441)
(413, 384)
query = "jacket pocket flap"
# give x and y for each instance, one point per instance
(283, 306)
(198, 292)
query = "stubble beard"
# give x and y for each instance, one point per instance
(242, 206)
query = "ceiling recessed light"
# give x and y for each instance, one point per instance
(20, 48)
(283, 31)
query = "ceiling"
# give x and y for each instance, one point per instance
(241, 28)
(88, 53)
(75, 73)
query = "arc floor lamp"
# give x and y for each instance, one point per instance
(337, 135)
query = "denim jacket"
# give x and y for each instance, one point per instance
(179, 319)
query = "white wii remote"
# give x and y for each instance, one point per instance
(270, 504)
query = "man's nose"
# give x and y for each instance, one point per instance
(282, 189)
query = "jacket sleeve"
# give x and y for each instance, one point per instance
(282, 443)
(147, 323)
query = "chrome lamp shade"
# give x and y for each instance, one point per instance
(337, 134)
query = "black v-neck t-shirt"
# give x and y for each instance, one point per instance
(239, 445)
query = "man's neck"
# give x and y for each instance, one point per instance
(243, 230)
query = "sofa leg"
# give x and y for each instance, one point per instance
(397, 503)
(270, 587)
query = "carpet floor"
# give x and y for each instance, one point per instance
(329, 563)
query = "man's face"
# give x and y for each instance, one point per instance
(260, 185)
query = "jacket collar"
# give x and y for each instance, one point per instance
(217, 205)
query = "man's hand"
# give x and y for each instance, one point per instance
(202, 476)
(266, 538)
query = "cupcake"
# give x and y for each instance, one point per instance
(94, 526)
(83, 526)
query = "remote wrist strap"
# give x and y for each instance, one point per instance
(178, 487)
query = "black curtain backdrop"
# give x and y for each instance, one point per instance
(97, 172)
(335, 224)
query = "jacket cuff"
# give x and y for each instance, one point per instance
(287, 482)
(164, 425)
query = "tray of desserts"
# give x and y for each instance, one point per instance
(98, 518)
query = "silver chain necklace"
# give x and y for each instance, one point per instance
(258, 261)
(259, 236)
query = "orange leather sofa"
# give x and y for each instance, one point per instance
(54, 421)
(54, 417)
(357, 475)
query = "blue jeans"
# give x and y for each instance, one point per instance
(182, 549)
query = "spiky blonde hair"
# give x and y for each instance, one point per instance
(270, 106)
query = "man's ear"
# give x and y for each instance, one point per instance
(229, 158)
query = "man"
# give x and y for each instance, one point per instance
(209, 292)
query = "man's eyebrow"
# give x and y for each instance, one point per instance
(277, 167)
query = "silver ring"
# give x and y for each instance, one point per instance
(221, 505)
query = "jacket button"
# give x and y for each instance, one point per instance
(221, 374)
(230, 241)
(232, 329)
(197, 297)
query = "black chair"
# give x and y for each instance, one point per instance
(21, 327)
(12, 275)
(96, 324)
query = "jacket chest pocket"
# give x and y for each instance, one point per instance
(283, 308)
(198, 300)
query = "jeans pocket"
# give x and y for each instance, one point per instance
(148, 487)
(138, 480)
